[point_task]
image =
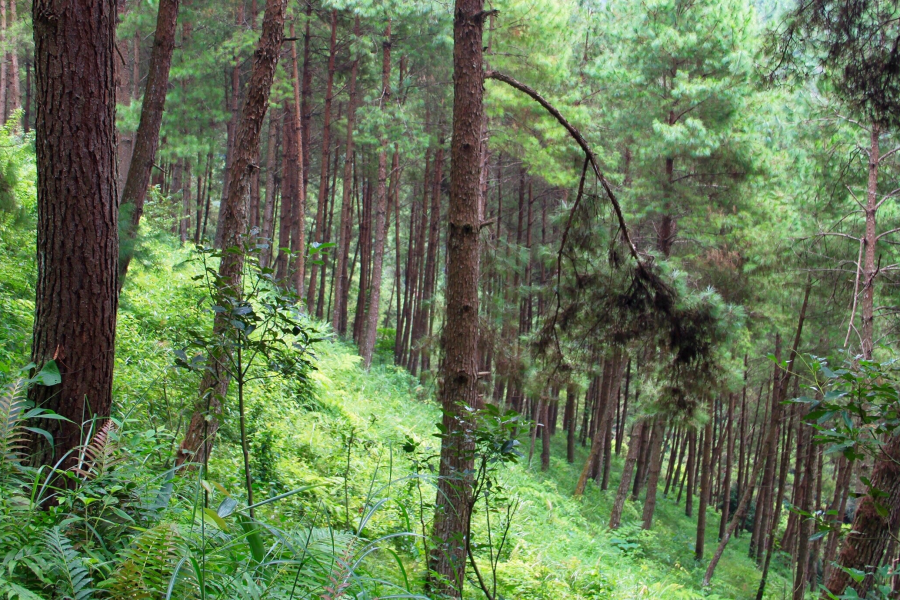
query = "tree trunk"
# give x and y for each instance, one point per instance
(341, 285)
(705, 489)
(729, 458)
(615, 516)
(459, 368)
(289, 161)
(570, 419)
(869, 270)
(14, 95)
(805, 524)
(200, 434)
(146, 138)
(298, 213)
(77, 235)
(691, 461)
(323, 174)
(367, 348)
(268, 220)
(656, 443)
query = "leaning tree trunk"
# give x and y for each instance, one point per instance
(200, 435)
(367, 347)
(146, 138)
(77, 235)
(459, 368)
(615, 517)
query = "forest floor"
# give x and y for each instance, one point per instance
(358, 436)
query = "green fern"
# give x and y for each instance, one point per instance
(98, 457)
(12, 425)
(73, 578)
(146, 565)
(14, 591)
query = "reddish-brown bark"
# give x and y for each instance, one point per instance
(77, 234)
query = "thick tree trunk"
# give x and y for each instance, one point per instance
(367, 348)
(200, 434)
(77, 234)
(615, 518)
(341, 285)
(459, 368)
(146, 138)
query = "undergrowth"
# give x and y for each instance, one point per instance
(343, 470)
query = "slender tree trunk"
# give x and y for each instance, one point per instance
(615, 517)
(14, 95)
(289, 161)
(459, 376)
(77, 235)
(869, 270)
(726, 485)
(298, 213)
(656, 443)
(268, 219)
(691, 461)
(231, 127)
(705, 489)
(570, 418)
(323, 175)
(367, 348)
(805, 524)
(341, 285)
(146, 138)
(200, 434)
(838, 504)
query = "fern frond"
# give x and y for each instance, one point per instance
(97, 457)
(12, 425)
(14, 591)
(72, 576)
(146, 566)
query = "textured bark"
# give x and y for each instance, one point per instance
(367, 348)
(873, 525)
(615, 518)
(200, 434)
(323, 174)
(146, 138)
(434, 230)
(459, 367)
(341, 285)
(77, 235)
(231, 127)
(656, 442)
